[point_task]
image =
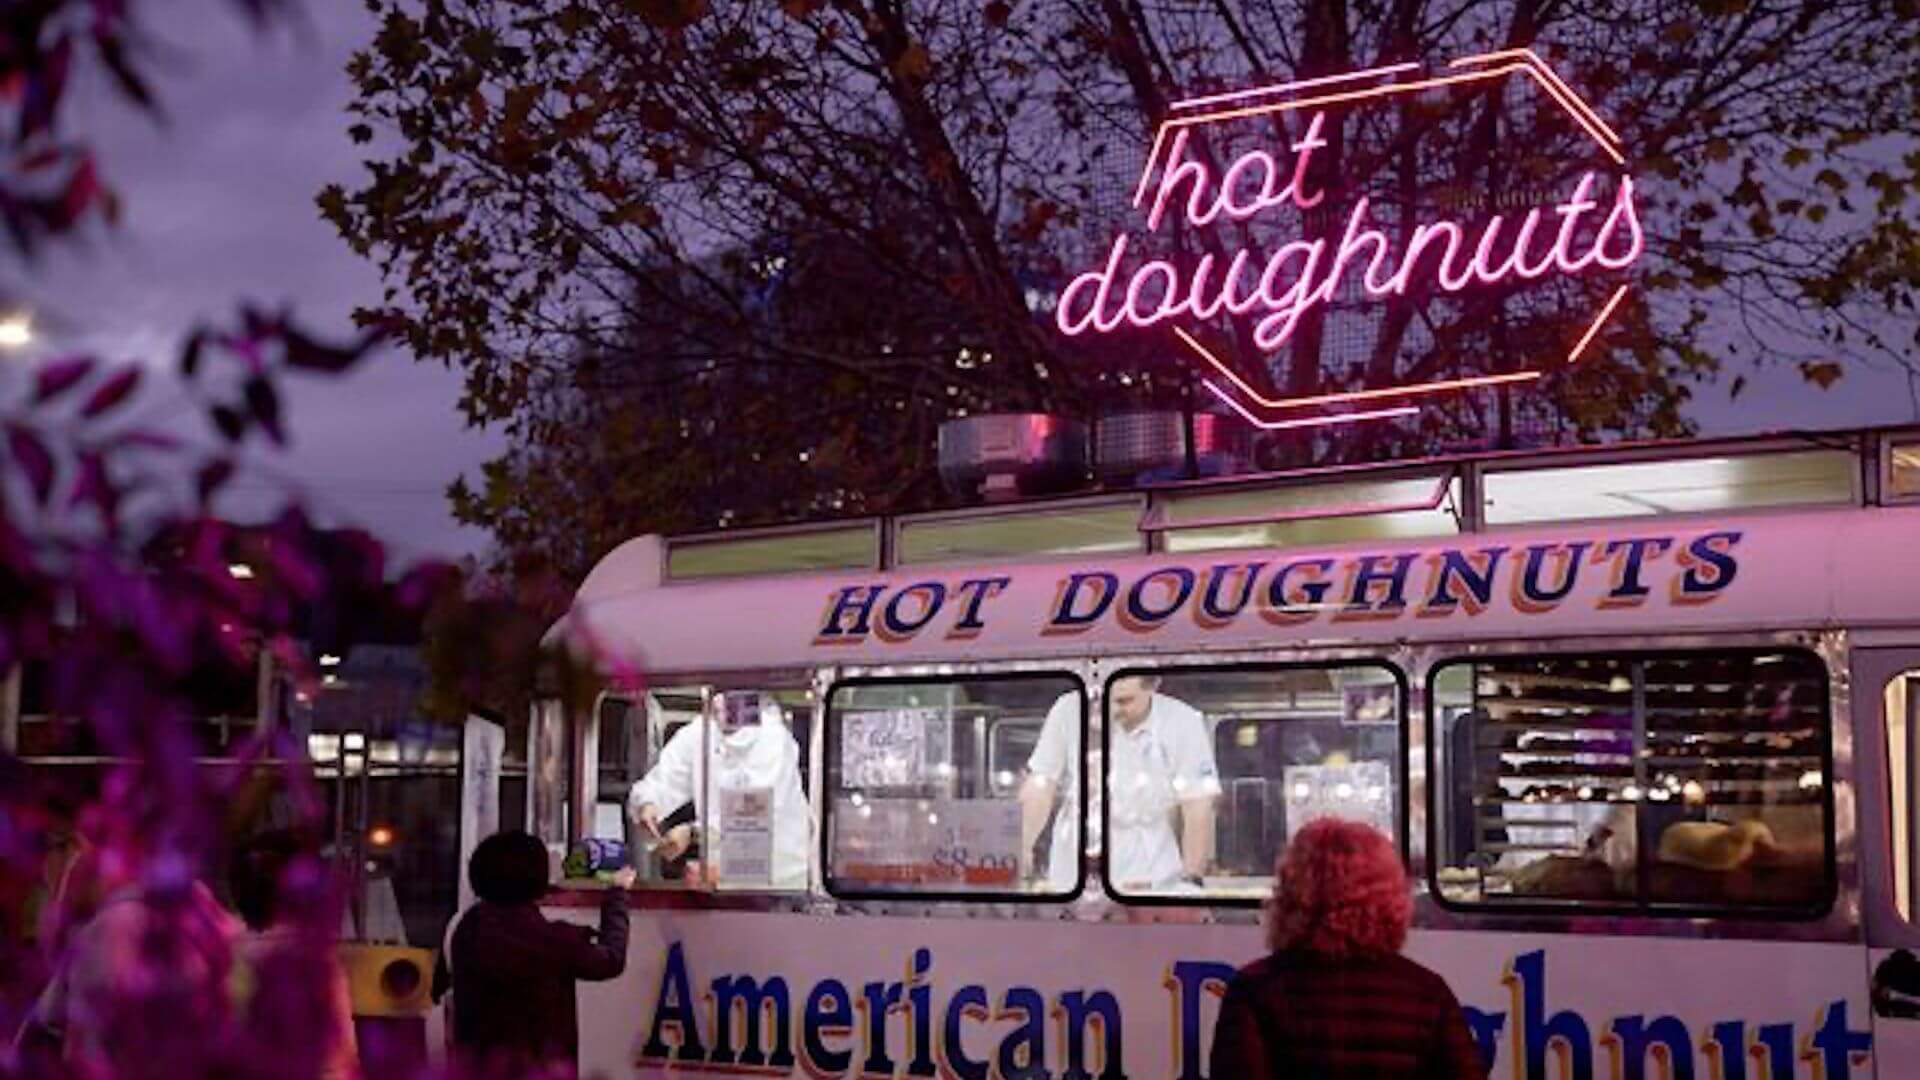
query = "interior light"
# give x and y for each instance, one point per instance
(240, 571)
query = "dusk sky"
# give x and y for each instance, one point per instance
(219, 208)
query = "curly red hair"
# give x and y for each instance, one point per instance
(1340, 890)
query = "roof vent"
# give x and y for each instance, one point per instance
(1142, 447)
(1005, 455)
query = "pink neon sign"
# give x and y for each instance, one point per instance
(1592, 227)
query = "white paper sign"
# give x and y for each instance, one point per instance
(746, 835)
(884, 748)
(971, 843)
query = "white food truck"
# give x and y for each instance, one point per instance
(1641, 720)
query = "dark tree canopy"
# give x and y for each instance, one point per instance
(713, 263)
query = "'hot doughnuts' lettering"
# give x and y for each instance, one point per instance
(1617, 574)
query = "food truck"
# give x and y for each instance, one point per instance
(1640, 718)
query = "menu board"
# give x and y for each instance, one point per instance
(886, 747)
(957, 843)
(1360, 791)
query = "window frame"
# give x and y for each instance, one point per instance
(1437, 795)
(830, 787)
(1903, 869)
(1135, 667)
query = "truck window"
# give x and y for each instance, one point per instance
(1210, 770)
(955, 787)
(1678, 781)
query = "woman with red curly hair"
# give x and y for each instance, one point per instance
(1336, 998)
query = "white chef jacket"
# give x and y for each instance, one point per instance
(1167, 758)
(764, 755)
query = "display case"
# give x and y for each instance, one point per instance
(1661, 778)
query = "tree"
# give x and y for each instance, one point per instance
(590, 201)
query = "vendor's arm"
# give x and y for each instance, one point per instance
(669, 784)
(1196, 781)
(1046, 768)
(1196, 835)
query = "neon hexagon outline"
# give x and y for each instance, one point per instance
(1337, 89)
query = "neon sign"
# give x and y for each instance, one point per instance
(1590, 228)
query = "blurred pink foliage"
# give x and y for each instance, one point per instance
(115, 581)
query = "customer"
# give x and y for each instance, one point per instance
(141, 982)
(292, 993)
(512, 971)
(1336, 998)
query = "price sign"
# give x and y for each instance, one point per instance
(928, 842)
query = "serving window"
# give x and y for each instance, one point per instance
(705, 786)
(928, 790)
(1208, 772)
(1679, 780)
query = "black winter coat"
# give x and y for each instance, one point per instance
(512, 981)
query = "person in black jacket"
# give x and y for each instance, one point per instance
(512, 971)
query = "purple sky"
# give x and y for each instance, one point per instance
(219, 208)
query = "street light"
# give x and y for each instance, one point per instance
(16, 330)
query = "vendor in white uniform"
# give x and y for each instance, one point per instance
(755, 763)
(1163, 783)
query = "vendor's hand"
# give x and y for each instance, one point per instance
(624, 877)
(649, 818)
(675, 841)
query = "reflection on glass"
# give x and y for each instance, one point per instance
(1692, 778)
(1699, 485)
(1900, 703)
(724, 803)
(1211, 771)
(927, 784)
